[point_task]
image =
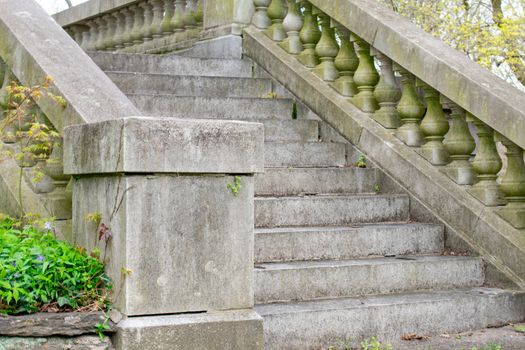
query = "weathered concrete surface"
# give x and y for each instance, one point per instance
(300, 130)
(293, 181)
(227, 330)
(49, 324)
(304, 154)
(310, 325)
(34, 46)
(308, 280)
(338, 243)
(483, 231)
(139, 83)
(177, 65)
(88, 9)
(187, 240)
(164, 145)
(85, 342)
(229, 46)
(219, 108)
(330, 210)
(474, 88)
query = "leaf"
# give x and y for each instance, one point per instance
(63, 301)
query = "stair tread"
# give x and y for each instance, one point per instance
(308, 229)
(332, 196)
(379, 300)
(366, 261)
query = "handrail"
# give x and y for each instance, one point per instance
(475, 89)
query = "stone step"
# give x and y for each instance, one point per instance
(339, 243)
(248, 109)
(176, 65)
(325, 323)
(184, 85)
(304, 154)
(330, 210)
(309, 280)
(299, 130)
(293, 181)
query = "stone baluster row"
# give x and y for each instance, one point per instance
(416, 113)
(138, 23)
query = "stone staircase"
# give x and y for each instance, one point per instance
(335, 262)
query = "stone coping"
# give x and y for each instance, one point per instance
(164, 145)
(447, 70)
(34, 46)
(485, 232)
(89, 9)
(53, 324)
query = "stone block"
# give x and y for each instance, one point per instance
(227, 330)
(186, 240)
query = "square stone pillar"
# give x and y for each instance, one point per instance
(228, 13)
(178, 197)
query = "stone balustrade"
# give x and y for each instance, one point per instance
(408, 99)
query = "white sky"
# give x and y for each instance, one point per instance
(53, 6)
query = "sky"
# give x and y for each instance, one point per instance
(53, 6)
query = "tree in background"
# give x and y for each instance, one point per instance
(490, 32)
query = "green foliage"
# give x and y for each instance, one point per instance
(294, 110)
(377, 188)
(235, 186)
(490, 346)
(374, 344)
(361, 162)
(38, 271)
(519, 329)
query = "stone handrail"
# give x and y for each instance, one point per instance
(456, 91)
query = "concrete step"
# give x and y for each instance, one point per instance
(299, 130)
(304, 154)
(339, 243)
(330, 210)
(309, 280)
(183, 85)
(249, 109)
(320, 324)
(293, 181)
(176, 65)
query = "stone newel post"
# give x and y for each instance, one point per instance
(177, 197)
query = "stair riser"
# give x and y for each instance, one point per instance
(291, 130)
(283, 182)
(316, 154)
(348, 243)
(391, 276)
(315, 329)
(191, 86)
(217, 108)
(175, 65)
(332, 211)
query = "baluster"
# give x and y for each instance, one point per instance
(101, 32)
(410, 109)
(92, 36)
(365, 77)
(434, 127)
(199, 14)
(177, 22)
(512, 184)
(54, 168)
(189, 15)
(486, 164)
(346, 63)
(309, 35)
(138, 24)
(3, 71)
(260, 19)
(127, 38)
(148, 21)
(9, 132)
(292, 24)
(77, 33)
(326, 49)
(169, 10)
(109, 42)
(86, 38)
(120, 29)
(156, 23)
(387, 94)
(276, 12)
(460, 144)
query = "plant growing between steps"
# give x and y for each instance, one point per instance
(235, 186)
(361, 161)
(23, 122)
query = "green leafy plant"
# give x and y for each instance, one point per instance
(489, 346)
(377, 188)
(361, 162)
(38, 272)
(294, 110)
(519, 329)
(235, 186)
(374, 344)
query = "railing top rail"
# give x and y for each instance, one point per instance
(89, 9)
(34, 46)
(472, 87)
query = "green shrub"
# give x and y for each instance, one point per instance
(38, 271)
